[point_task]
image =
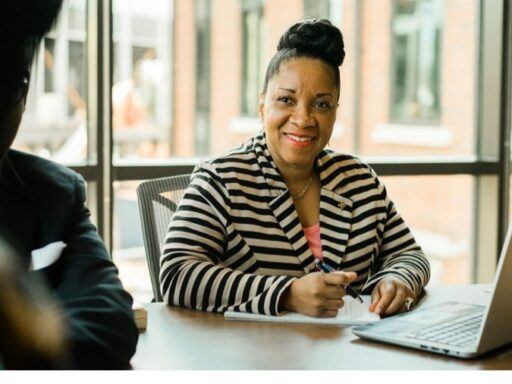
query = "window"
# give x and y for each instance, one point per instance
(316, 9)
(253, 38)
(141, 93)
(184, 71)
(49, 65)
(77, 77)
(418, 57)
(446, 242)
(203, 55)
(55, 122)
(416, 64)
(329, 9)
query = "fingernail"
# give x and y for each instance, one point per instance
(378, 310)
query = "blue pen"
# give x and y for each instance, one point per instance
(326, 268)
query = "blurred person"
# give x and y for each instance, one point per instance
(45, 221)
(257, 224)
(31, 330)
(148, 75)
(134, 107)
(128, 109)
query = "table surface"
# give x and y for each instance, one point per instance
(178, 338)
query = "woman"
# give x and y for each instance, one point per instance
(254, 222)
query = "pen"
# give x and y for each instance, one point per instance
(326, 268)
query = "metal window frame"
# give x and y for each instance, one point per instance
(99, 83)
(490, 166)
(489, 190)
(505, 119)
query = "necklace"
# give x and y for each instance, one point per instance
(302, 193)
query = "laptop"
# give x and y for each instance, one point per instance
(454, 328)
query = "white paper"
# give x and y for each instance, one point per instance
(46, 256)
(352, 313)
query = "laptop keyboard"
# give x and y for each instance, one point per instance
(459, 332)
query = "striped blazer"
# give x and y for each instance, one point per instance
(236, 241)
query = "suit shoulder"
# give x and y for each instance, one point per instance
(41, 174)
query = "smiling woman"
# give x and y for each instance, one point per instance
(254, 223)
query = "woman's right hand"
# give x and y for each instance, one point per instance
(317, 294)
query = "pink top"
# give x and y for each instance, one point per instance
(313, 237)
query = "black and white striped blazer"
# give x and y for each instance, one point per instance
(236, 242)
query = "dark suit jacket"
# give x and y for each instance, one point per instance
(40, 203)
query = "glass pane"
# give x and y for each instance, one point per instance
(203, 67)
(128, 246)
(315, 9)
(252, 63)
(219, 57)
(400, 93)
(419, 57)
(91, 200)
(141, 94)
(55, 120)
(416, 64)
(439, 211)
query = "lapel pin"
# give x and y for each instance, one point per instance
(341, 205)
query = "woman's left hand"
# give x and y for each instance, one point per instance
(390, 295)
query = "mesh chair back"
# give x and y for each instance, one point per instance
(158, 200)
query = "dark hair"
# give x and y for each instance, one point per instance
(23, 23)
(314, 38)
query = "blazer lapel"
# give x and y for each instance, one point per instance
(287, 217)
(335, 223)
(335, 210)
(281, 204)
(17, 214)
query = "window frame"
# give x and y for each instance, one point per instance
(490, 165)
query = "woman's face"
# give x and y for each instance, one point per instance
(298, 112)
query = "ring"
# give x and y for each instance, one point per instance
(409, 301)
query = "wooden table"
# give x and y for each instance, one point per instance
(178, 338)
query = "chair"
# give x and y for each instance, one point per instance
(158, 200)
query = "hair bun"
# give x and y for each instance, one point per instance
(316, 38)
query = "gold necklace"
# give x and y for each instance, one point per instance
(302, 193)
